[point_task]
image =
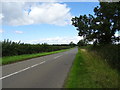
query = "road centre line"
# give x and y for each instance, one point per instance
(57, 56)
(26, 68)
(21, 70)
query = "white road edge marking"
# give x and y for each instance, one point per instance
(57, 56)
(21, 70)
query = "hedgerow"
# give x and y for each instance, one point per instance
(10, 48)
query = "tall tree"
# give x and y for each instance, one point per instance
(100, 28)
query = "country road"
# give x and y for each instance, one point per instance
(43, 72)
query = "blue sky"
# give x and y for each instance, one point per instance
(51, 26)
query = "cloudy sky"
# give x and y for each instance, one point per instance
(42, 22)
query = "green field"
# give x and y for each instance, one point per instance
(90, 70)
(11, 59)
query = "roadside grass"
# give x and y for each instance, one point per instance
(110, 54)
(12, 59)
(90, 71)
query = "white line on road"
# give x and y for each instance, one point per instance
(57, 56)
(21, 70)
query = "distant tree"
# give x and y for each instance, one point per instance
(102, 27)
(82, 43)
(72, 44)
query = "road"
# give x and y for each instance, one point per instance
(43, 72)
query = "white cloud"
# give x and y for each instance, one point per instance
(1, 31)
(56, 40)
(33, 13)
(18, 32)
(57, 0)
(14, 14)
(1, 16)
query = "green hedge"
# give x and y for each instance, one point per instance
(10, 48)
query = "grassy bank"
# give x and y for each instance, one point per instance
(91, 71)
(11, 59)
(110, 53)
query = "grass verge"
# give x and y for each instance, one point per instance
(110, 54)
(90, 71)
(12, 59)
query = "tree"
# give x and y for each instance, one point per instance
(82, 43)
(102, 27)
(72, 44)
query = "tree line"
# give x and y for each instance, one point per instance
(10, 48)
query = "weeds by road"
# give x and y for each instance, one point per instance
(91, 71)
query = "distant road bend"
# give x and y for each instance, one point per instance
(43, 72)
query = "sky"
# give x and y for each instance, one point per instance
(42, 22)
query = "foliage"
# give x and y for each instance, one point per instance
(82, 43)
(110, 53)
(100, 28)
(12, 59)
(10, 48)
(72, 44)
(90, 71)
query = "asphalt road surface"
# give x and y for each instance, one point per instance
(43, 72)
